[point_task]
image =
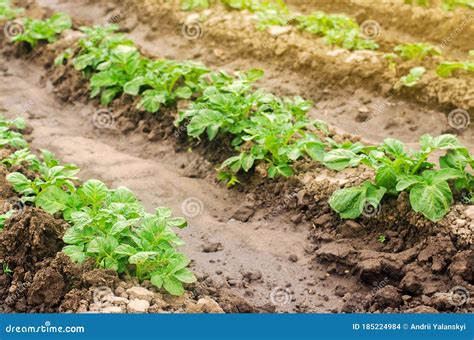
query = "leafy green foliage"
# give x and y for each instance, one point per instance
(187, 5)
(446, 68)
(412, 78)
(109, 226)
(116, 66)
(416, 51)
(113, 228)
(43, 30)
(449, 5)
(9, 134)
(53, 182)
(6, 269)
(4, 217)
(423, 3)
(336, 29)
(7, 12)
(350, 202)
(263, 127)
(398, 169)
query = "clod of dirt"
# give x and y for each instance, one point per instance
(29, 237)
(212, 247)
(412, 284)
(463, 265)
(387, 296)
(244, 213)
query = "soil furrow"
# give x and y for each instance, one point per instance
(156, 176)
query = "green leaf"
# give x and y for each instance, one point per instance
(123, 195)
(185, 275)
(19, 181)
(95, 191)
(350, 202)
(60, 22)
(120, 226)
(52, 200)
(209, 120)
(432, 200)
(109, 94)
(283, 169)
(125, 249)
(386, 177)
(394, 147)
(406, 181)
(443, 175)
(183, 92)
(152, 100)
(173, 286)
(141, 257)
(157, 280)
(340, 159)
(254, 74)
(74, 235)
(133, 86)
(178, 222)
(76, 253)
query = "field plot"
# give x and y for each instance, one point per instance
(236, 156)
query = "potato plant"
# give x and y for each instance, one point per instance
(7, 12)
(109, 226)
(262, 128)
(400, 169)
(336, 29)
(43, 30)
(416, 51)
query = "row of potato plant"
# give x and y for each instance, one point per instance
(269, 130)
(110, 226)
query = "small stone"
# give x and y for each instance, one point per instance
(119, 291)
(219, 53)
(293, 258)
(138, 306)
(364, 109)
(321, 220)
(276, 31)
(340, 290)
(422, 310)
(253, 276)
(469, 212)
(119, 301)
(207, 305)
(244, 213)
(159, 301)
(322, 276)
(192, 17)
(212, 247)
(140, 293)
(112, 310)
